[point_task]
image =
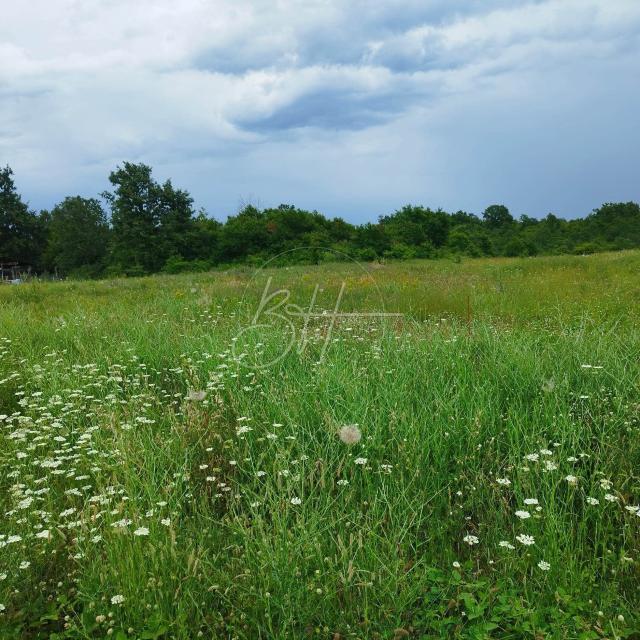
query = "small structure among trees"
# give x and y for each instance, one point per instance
(12, 272)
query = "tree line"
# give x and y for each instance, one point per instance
(141, 226)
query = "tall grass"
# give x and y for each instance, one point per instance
(135, 509)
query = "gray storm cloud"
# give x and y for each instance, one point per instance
(349, 107)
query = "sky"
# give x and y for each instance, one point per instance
(350, 107)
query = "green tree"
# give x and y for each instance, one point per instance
(205, 238)
(614, 224)
(244, 234)
(372, 238)
(528, 221)
(176, 222)
(497, 216)
(460, 241)
(135, 219)
(78, 237)
(22, 232)
(151, 222)
(417, 226)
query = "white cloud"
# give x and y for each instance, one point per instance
(236, 83)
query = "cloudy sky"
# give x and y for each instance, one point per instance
(352, 107)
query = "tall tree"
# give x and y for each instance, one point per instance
(151, 222)
(176, 222)
(78, 236)
(135, 218)
(497, 216)
(21, 231)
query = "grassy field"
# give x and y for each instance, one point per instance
(176, 465)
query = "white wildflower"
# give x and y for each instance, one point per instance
(121, 524)
(525, 539)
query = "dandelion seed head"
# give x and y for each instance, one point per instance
(350, 434)
(549, 385)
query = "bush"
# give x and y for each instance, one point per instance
(367, 254)
(176, 264)
(87, 272)
(400, 251)
(517, 247)
(586, 248)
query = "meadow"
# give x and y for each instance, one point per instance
(173, 466)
